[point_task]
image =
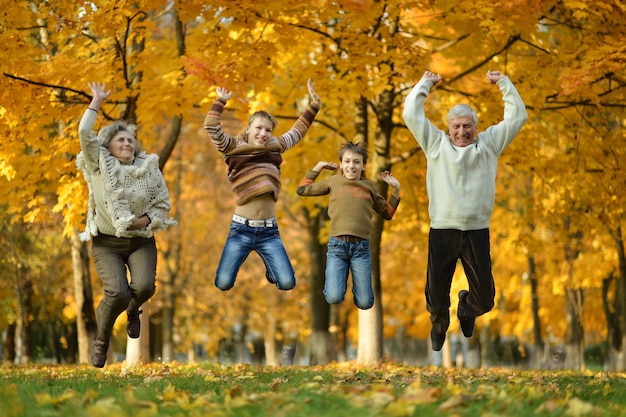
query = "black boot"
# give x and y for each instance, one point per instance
(133, 325)
(99, 356)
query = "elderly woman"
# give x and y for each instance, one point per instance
(128, 202)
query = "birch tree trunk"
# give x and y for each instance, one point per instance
(83, 293)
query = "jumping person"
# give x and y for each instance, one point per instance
(254, 158)
(128, 202)
(460, 182)
(353, 199)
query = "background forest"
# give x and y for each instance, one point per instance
(557, 232)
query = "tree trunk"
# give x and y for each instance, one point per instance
(138, 350)
(85, 314)
(167, 322)
(370, 344)
(612, 327)
(269, 338)
(9, 344)
(620, 300)
(532, 274)
(322, 346)
(575, 348)
(370, 349)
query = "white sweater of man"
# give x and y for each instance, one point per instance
(461, 181)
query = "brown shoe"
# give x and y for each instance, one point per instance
(100, 348)
(133, 325)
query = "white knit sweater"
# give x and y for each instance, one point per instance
(119, 192)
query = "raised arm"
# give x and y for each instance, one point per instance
(292, 137)
(515, 114)
(392, 181)
(88, 139)
(213, 122)
(423, 130)
(308, 186)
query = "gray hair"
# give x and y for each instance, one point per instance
(107, 133)
(462, 110)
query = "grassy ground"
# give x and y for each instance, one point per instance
(334, 390)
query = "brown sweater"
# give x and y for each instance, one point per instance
(254, 170)
(351, 203)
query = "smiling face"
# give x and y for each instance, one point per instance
(462, 130)
(122, 146)
(351, 165)
(259, 131)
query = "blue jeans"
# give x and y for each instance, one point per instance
(112, 256)
(266, 242)
(341, 258)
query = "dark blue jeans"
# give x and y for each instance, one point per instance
(113, 256)
(341, 258)
(445, 248)
(266, 242)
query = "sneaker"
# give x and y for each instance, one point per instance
(467, 323)
(133, 325)
(437, 339)
(99, 356)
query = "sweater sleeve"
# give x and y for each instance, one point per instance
(386, 209)
(308, 186)
(515, 115)
(292, 137)
(213, 126)
(89, 144)
(422, 129)
(159, 210)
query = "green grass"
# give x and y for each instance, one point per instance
(334, 390)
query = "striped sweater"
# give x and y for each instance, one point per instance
(254, 170)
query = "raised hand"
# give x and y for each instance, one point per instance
(390, 179)
(99, 94)
(435, 78)
(314, 97)
(331, 166)
(494, 76)
(99, 90)
(223, 93)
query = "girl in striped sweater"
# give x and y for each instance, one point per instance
(254, 158)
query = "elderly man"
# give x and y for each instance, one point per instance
(460, 181)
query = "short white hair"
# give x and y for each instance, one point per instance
(462, 110)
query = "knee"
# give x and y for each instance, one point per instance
(287, 285)
(145, 293)
(364, 306)
(487, 307)
(224, 284)
(333, 299)
(117, 300)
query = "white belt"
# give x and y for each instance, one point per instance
(255, 223)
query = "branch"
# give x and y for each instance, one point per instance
(27, 81)
(510, 42)
(318, 121)
(449, 44)
(62, 88)
(404, 155)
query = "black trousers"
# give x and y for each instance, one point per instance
(445, 248)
